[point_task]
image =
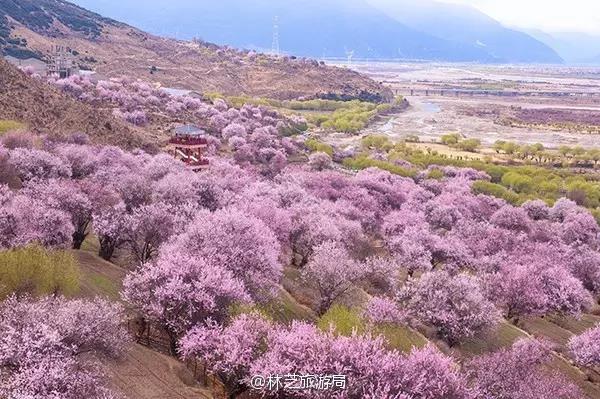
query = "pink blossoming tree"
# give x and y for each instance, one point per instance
(332, 271)
(519, 372)
(585, 348)
(454, 305)
(48, 346)
(179, 291)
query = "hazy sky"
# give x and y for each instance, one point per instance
(549, 15)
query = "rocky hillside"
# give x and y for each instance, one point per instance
(54, 18)
(46, 110)
(113, 49)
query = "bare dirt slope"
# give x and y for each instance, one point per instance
(45, 109)
(99, 277)
(113, 49)
(146, 374)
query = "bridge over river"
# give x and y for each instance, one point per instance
(499, 93)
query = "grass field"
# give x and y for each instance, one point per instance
(504, 336)
(285, 309)
(8, 125)
(451, 152)
(402, 338)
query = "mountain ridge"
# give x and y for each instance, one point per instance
(469, 26)
(573, 47)
(322, 29)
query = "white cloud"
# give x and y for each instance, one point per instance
(549, 15)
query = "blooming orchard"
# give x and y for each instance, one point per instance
(420, 253)
(252, 346)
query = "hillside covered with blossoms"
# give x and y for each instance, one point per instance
(279, 259)
(266, 224)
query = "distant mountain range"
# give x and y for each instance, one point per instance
(573, 47)
(470, 27)
(373, 29)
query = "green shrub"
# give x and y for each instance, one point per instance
(316, 119)
(399, 100)
(384, 108)
(470, 145)
(317, 105)
(455, 140)
(363, 162)
(499, 145)
(239, 101)
(315, 145)
(596, 214)
(547, 188)
(495, 190)
(450, 139)
(37, 271)
(349, 120)
(293, 128)
(435, 174)
(496, 172)
(376, 141)
(517, 182)
(510, 148)
(412, 138)
(213, 95)
(343, 116)
(528, 182)
(589, 191)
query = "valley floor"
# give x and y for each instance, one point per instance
(564, 99)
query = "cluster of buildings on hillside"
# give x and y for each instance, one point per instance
(60, 63)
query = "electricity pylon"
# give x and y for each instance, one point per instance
(275, 43)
